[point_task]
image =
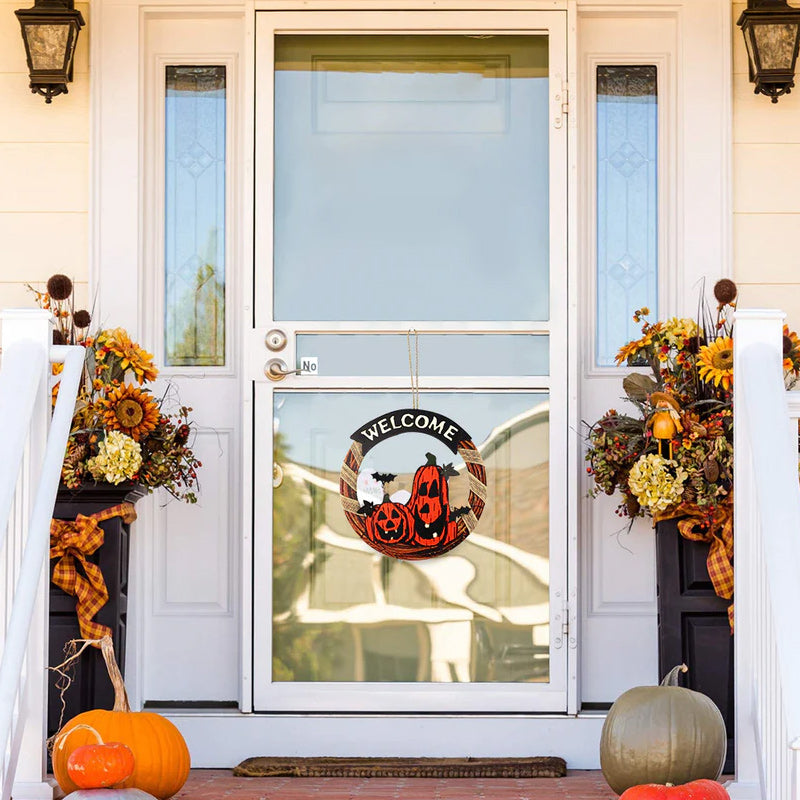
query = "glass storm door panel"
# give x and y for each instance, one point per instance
(410, 203)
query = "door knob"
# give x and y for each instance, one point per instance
(275, 340)
(276, 370)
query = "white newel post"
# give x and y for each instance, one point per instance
(752, 327)
(31, 776)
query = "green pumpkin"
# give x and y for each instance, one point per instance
(662, 734)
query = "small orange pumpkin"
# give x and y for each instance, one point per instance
(703, 789)
(160, 753)
(99, 765)
(390, 523)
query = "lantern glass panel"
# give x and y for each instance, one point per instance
(775, 43)
(748, 43)
(48, 45)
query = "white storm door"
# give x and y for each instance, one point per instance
(411, 174)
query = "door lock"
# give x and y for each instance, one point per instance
(275, 340)
(276, 370)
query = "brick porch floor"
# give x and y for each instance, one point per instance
(214, 784)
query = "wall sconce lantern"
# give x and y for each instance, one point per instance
(771, 31)
(50, 32)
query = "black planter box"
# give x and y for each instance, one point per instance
(91, 687)
(693, 623)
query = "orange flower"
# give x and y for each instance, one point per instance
(791, 350)
(131, 410)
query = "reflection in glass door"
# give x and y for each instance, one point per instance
(342, 612)
(411, 173)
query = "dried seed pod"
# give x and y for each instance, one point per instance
(59, 287)
(725, 291)
(711, 469)
(82, 318)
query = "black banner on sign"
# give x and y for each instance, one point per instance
(410, 420)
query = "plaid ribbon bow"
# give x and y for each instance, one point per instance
(73, 541)
(719, 534)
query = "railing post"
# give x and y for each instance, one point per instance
(31, 775)
(752, 326)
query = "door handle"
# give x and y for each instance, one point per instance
(276, 370)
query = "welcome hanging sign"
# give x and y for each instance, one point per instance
(425, 525)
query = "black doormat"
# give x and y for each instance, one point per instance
(277, 767)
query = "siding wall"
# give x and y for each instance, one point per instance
(766, 200)
(44, 170)
(44, 180)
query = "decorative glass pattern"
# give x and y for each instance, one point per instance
(194, 218)
(627, 203)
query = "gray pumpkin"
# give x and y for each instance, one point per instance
(662, 734)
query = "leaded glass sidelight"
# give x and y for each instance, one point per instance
(194, 216)
(627, 203)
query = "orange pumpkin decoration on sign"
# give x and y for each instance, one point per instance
(160, 753)
(99, 765)
(429, 502)
(703, 789)
(390, 523)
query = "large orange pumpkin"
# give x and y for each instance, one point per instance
(696, 790)
(162, 758)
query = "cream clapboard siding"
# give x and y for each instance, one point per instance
(766, 185)
(44, 179)
(44, 171)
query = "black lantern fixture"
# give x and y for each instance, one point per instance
(50, 32)
(771, 31)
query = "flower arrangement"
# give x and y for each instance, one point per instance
(120, 430)
(673, 455)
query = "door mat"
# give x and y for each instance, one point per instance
(277, 767)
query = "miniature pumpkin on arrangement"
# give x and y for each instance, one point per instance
(696, 790)
(662, 735)
(160, 753)
(99, 765)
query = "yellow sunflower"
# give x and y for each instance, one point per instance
(131, 356)
(130, 410)
(715, 362)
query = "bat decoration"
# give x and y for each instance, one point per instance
(383, 477)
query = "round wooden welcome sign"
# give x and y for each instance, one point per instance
(425, 525)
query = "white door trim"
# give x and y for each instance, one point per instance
(445, 697)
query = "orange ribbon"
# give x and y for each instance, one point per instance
(72, 541)
(718, 532)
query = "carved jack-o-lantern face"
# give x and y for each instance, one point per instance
(390, 523)
(429, 503)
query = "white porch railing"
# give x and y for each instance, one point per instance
(767, 563)
(30, 468)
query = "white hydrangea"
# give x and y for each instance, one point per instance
(118, 459)
(657, 482)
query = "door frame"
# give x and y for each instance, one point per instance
(447, 698)
(117, 261)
